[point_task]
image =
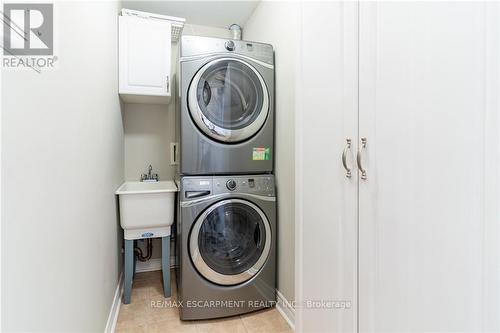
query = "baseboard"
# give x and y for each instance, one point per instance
(115, 307)
(147, 266)
(152, 265)
(286, 309)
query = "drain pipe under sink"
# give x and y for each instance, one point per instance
(149, 251)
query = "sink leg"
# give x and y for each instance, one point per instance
(129, 268)
(165, 263)
(135, 259)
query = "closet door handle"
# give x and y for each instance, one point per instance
(359, 159)
(344, 158)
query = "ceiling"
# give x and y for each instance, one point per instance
(211, 13)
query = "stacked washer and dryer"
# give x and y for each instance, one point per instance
(226, 221)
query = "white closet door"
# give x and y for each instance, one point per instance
(326, 198)
(428, 219)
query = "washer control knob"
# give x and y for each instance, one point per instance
(231, 184)
(229, 45)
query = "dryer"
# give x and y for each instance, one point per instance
(226, 106)
(226, 245)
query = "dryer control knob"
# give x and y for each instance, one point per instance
(231, 184)
(229, 45)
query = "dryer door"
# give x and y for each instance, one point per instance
(230, 241)
(228, 100)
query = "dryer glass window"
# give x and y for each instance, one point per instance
(232, 238)
(230, 94)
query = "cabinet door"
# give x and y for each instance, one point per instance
(144, 53)
(326, 198)
(428, 219)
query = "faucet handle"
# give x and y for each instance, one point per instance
(150, 176)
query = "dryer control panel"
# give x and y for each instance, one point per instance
(196, 45)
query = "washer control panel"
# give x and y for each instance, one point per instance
(196, 187)
(256, 184)
(231, 184)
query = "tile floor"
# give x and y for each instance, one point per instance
(140, 316)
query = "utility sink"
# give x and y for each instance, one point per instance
(146, 208)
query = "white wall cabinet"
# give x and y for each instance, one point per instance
(144, 59)
(414, 246)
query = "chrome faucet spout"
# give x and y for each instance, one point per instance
(150, 176)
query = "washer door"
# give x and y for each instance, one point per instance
(230, 242)
(228, 100)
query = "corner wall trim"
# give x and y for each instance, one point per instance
(115, 307)
(286, 309)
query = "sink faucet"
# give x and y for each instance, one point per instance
(150, 176)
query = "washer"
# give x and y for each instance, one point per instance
(226, 106)
(226, 249)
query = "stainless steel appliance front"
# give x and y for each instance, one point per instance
(226, 107)
(226, 247)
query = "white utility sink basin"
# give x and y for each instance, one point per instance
(146, 208)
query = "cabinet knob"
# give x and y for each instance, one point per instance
(168, 83)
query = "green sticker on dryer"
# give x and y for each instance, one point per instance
(261, 154)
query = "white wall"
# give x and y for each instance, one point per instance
(62, 159)
(204, 30)
(149, 129)
(276, 23)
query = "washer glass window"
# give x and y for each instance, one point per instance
(228, 100)
(229, 94)
(232, 238)
(230, 241)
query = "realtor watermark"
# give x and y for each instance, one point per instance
(256, 304)
(28, 36)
